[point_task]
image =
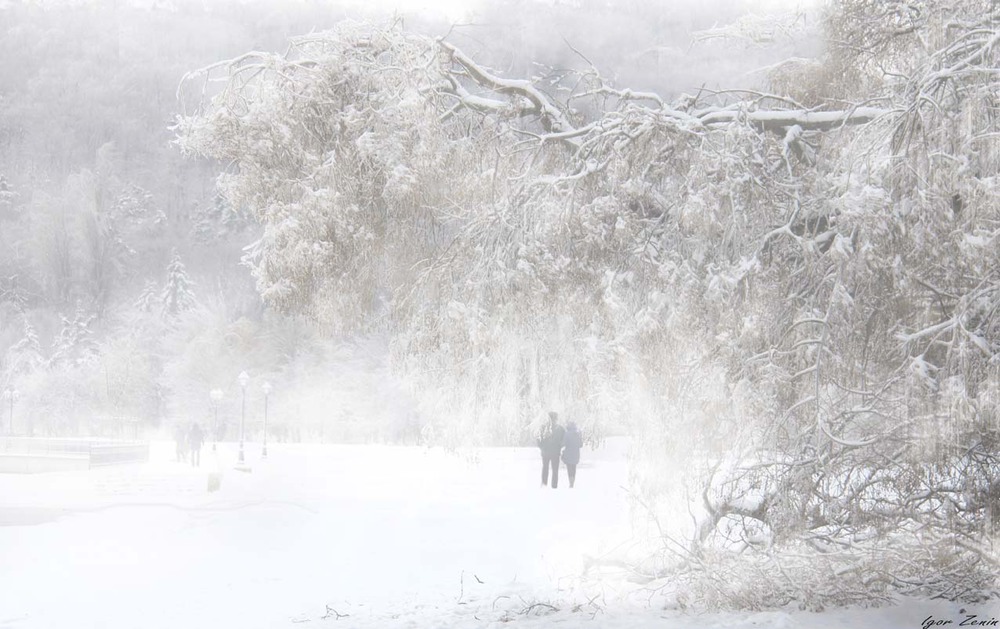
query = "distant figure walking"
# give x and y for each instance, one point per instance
(180, 439)
(572, 442)
(550, 442)
(195, 439)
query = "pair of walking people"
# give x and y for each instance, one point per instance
(189, 441)
(554, 440)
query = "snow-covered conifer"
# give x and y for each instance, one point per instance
(75, 342)
(176, 296)
(149, 298)
(26, 354)
(6, 192)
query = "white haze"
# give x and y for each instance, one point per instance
(368, 263)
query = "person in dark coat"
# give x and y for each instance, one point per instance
(572, 442)
(550, 443)
(195, 439)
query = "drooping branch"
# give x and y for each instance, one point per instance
(550, 115)
(782, 119)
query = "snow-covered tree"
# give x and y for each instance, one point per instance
(791, 294)
(26, 354)
(11, 292)
(149, 298)
(7, 194)
(176, 296)
(74, 344)
(358, 185)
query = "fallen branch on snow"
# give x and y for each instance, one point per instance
(333, 612)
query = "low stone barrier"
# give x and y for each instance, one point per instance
(33, 454)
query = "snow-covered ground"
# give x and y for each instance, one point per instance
(352, 536)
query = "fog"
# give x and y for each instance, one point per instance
(98, 199)
(296, 298)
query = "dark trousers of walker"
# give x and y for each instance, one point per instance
(571, 472)
(196, 456)
(553, 461)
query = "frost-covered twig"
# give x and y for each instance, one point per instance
(539, 605)
(331, 612)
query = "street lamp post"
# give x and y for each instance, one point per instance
(216, 395)
(267, 392)
(10, 395)
(244, 381)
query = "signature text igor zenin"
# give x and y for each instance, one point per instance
(970, 620)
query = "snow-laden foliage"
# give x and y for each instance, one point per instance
(148, 298)
(177, 295)
(349, 178)
(791, 296)
(26, 354)
(7, 193)
(74, 344)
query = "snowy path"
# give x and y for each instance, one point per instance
(374, 532)
(387, 537)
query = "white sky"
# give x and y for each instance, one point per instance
(463, 10)
(452, 10)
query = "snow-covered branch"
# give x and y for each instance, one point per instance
(781, 120)
(550, 115)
